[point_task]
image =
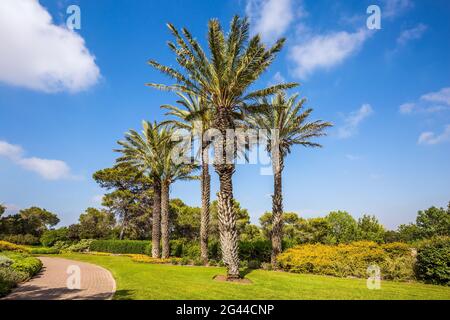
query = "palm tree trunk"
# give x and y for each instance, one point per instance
(226, 214)
(165, 190)
(204, 219)
(277, 211)
(156, 223)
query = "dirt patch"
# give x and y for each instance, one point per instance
(223, 278)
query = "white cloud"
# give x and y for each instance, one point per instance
(46, 168)
(407, 108)
(325, 51)
(39, 55)
(411, 34)
(353, 120)
(430, 138)
(442, 96)
(427, 103)
(277, 79)
(270, 18)
(393, 8)
(10, 151)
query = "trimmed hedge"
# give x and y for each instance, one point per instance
(433, 261)
(395, 260)
(121, 246)
(16, 267)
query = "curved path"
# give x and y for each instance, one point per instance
(97, 283)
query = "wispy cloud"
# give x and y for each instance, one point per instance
(428, 103)
(39, 55)
(325, 51)
(271, 18)
(414, 33)
(353, 121)
(46, 168)
(431, 138)
(393, 8)
(441, 96)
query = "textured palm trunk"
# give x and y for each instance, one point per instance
(204, 219)
(277, 211)
(165, 190)
(156, 223)
(226, 214)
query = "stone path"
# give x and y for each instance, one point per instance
(97, 283)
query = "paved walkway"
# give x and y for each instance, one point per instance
(97, 283)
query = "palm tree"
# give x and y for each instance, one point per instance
(144, 152)
(195, 117)
(284, 123)
(222, 81)
(171, 172)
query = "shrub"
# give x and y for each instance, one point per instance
(255, 250)
(5, 262)
(81, 246)
(198, 262)
(8, 246)
(184, 261)
(191, 250)
(16, 267)
(350, 260)
(28, 265)
(212, 263)
(25, 239)
(254, 264)
(9, 278)
(266, 266)
(147, 259)
(433, 261)
(174, 261)
(50, 237)
(44, 250)
(121, 246)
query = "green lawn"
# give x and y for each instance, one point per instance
(151, 281)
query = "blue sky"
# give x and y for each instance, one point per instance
(66, 97)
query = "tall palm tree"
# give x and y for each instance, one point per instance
(144, 152)
(171, 172)
(195, 117)
(222, 81)
(285, 123)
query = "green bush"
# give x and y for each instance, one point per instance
(24, 239)
(255, 250)
(5, 262)
(28, 265)
(81, 246)
(16, 267)
(395, 260)
(50, 237)
(9, 278)
(121, 246)
(433, 261)
(44, 250)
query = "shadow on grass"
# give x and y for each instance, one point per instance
(124, 295)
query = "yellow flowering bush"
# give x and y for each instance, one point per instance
(8, 246)
(350, 260)
(147, 259)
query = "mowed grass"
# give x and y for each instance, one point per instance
(151, 281)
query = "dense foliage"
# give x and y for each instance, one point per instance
(395, 260)
(121, 246)
(16, 267)
(433, 261)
